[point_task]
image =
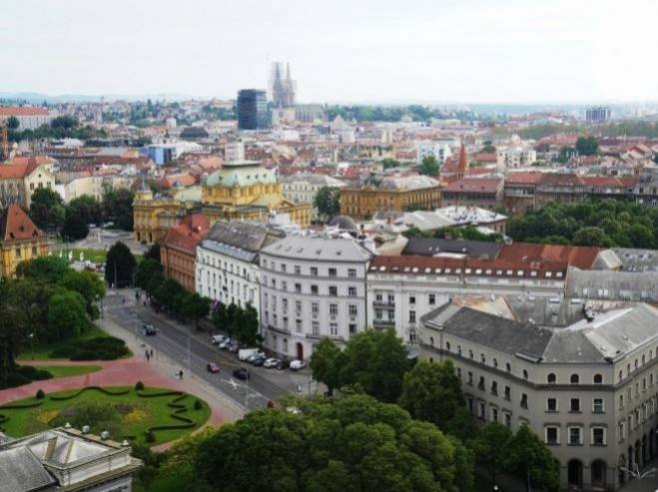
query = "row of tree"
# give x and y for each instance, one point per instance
(239, 323)
(377, 363)
(468, 233)
(72, 220)
(60, 127)
(594, 223)
(47, 302)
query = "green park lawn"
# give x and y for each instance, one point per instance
(67, 371)
(132, 414)
(43, 350)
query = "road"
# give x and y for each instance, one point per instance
(193, 351)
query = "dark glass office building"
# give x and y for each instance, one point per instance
(252, 110)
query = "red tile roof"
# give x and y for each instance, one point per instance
(424, 265)
(187, 235)
(16, 111)
(582, 257)
(21, 167)
(479, 185)
(15, 225)
(524, 177)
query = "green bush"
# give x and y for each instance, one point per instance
(14, 380)
(100, 348)
(139, 386)
(40, 395)
(149, 437)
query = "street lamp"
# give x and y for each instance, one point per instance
(31, 337)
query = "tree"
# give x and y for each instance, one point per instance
(89, 286)
(118, 207)
(432, 392)
(327, 201)
(46, 208)
(119, 265)
(13, 123)
(528, 457)
(246, 326)
(153, 253)
(67, 316)
(86, 206)
(587, 145)
(75, 227)
(46, 269)
(429, 166)
(196, 307)
(352, 443)
(389, 163)
(145, 271)
(591, 236)
(64, 122)
(492, 446)
(323, 362)
(168, 293)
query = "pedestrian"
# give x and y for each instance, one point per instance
(148, 356)
(180, 374)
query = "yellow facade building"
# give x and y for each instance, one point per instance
(153, 217)
(20, 240)
(395, 194)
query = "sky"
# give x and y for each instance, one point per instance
(352, 51)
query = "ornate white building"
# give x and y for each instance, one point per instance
(312, 287)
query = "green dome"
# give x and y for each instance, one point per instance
(239, 176)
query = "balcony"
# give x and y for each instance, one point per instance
(384, 303)
(384, 323)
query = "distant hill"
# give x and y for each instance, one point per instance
(36, 97)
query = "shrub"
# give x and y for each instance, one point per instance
(150, 437)
(139, 386)
(198, 405)
(14, 380)
(40, 395)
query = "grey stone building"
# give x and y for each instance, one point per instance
(586, 382)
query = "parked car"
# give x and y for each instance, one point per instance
(218, 339)
(234, 347)
(253, 356)
(282, 364)
(149, 330)
(212, 368)
(271, 362)
(296, 365)
(258, 361)
(225, 344)
(241, 374)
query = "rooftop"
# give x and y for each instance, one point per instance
(15, 225)
(319, 249)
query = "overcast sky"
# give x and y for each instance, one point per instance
(340, 50)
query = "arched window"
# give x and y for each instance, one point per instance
(432, 341)
(459, 349)
(525, 374)
(508, 367)
(495, 362)
(621, 376)
(574, 379)
(598, 379)
(470, 354)
(483, 358)
(551, 378)
(643, 359)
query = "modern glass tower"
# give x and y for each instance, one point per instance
(252, 110)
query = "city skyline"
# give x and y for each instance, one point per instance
(440, 52)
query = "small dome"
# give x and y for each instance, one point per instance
(344, 222)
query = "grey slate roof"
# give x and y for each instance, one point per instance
(609, 336)
(241, 240)
(637, 260)
(21, 471)
(600, 284)
(432, 247)
(319, 249)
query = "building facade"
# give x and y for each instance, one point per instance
(227, 269)
(252, 110)
(302, 188)
(588, 388)
(22, 177)
(397, 194)
(28, 118)
(153, 217)
(479, 192)
(311, 288)
(178, 249)
(20, 240)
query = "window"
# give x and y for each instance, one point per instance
(448, 346)
(552, 435)
(524, 400)
(333, 290)
(508, 393)
(551, 378)
(378, 313)
(551, 405)
(495, 362)
(34, 250)
(494, 388)
(508, 421)
(412, 299)
(525, 374)
(315, 309)
(298, 325)
(333, 309)
(18, 252)
(298, 288)
(494, 414)
(315, 326)
(352, 310)
(597, 405)
(483, 358)
(598, 379)
(432, 299)
(351, 272)
(598, 436)
(622, 431)
(575, 436)
(351, 291)
(332, 272)
(574, 379)
(481, 410)
(314, 271)
(481, 383)
(574, 405)
(412, 316)
(333, 329)
(314, 290)
(470, 378)
(508, 367)
(283, 267)
(470, 354)
(352, 328)
(621, 402)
